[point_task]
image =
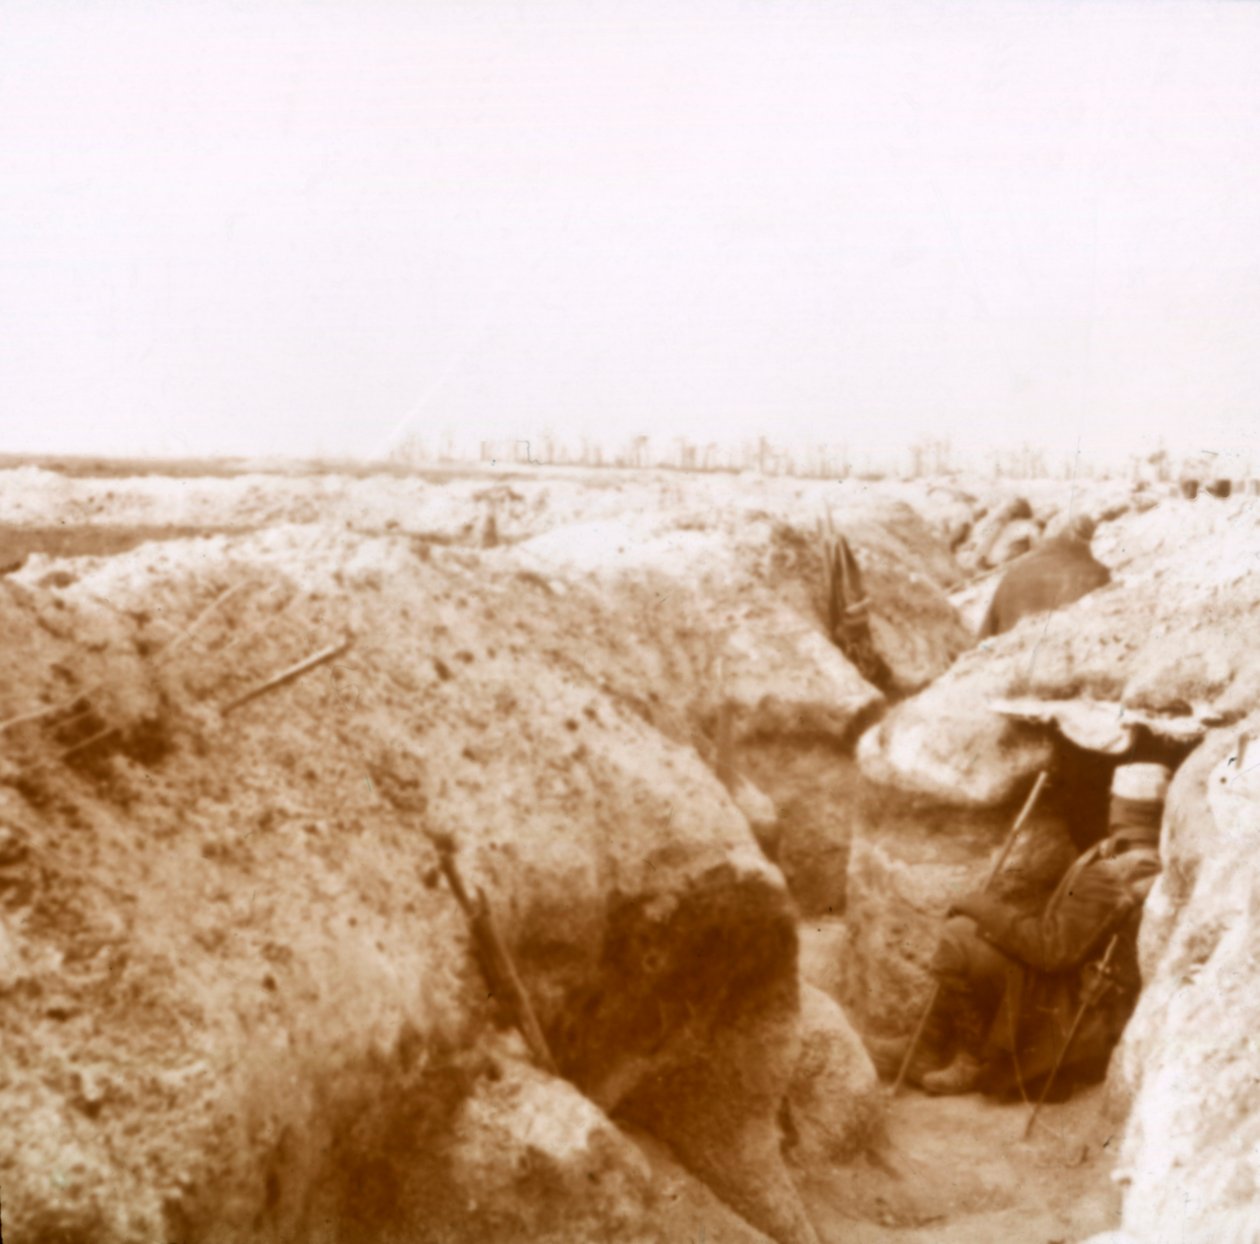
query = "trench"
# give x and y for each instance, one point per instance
(871, 872)
(19, 541)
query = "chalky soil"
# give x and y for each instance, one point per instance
(956, 1170)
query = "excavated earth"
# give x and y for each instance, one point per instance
(240, 1001)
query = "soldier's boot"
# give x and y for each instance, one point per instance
(932, 1051)
(964, 1073)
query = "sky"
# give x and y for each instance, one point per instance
(311, 228)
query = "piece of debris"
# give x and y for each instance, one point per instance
(493, 956)
(286, 676)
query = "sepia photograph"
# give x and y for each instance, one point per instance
(628, 622)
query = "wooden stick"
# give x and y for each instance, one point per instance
(1086, 1003)
(445, 848)
(52, 709)
(496, 962)
(185, 635)
(526, 1018)
(915, 1039)
(827, 545)
(35, 715)
(1024, 814)
(287, 676)
(86, 711)
(99, 737)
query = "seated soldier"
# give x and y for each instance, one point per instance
(1011, 982)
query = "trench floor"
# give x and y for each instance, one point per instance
(958, 1171)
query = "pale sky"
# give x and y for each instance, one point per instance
(256, 226)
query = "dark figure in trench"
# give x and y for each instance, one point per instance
(1055, 573)
(1011, 982)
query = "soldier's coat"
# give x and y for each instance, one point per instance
(1055, 573)
(1048, 956)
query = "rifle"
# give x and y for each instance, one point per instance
(1092, 994)
(1024, 813)
(493, 956)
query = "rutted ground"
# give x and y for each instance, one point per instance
(230, 928)
(239, 1003)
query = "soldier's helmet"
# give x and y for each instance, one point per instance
(1137, 800)
(1082, 528)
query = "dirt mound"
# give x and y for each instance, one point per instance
(224, 928)
(734, 601)
(833, 1106)
(541, 1162)
(1187, 1067)
(751, 581)
(1168, 639)
(238, 1002)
